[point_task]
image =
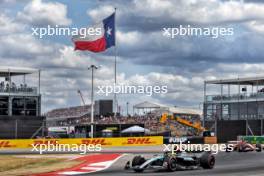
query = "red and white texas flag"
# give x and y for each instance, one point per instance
(100, 42)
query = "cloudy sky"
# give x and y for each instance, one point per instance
(145, 56)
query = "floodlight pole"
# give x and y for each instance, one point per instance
(127, 108)
(92, 67)
(39, 82)
(115, 98)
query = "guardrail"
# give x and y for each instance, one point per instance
(19, 90)
(235, 97)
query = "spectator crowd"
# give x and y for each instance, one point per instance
(80, 115)
(6, 86)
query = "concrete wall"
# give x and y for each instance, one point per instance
(20, 127)
(228, 130)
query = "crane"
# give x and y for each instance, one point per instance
(81, 95)
(195, 125)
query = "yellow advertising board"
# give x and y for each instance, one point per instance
(106, 142)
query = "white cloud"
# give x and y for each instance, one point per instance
(243, 69)
(7, 1)
(100, 13)
(12, 1)
(69, 58)
(8, 25)
(256, 26)
(202, 11)
(41, 13)
(19, 45)
(129, 38)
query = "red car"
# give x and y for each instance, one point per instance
(244, 146)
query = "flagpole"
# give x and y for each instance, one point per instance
(115, 99)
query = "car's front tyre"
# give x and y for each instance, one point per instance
(137, 162)
(171, 164)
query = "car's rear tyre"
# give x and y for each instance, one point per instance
(138, 161)
(207, 161)
(258, 147)
(172, 164)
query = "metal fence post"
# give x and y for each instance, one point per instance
(16, 129)
(261, 127)
(42, 131)
(246, 127)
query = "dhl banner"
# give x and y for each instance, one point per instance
(105, 142)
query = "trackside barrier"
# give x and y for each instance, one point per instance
(252, 139)
(190, 140)
(210, 140)
(105, 142)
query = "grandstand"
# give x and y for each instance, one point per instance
(67, 116)
(80, 116)
(20, 103)
(237, 109)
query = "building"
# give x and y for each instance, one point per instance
(237, 108)
(103, 107)
(146, 107)
(20, 103)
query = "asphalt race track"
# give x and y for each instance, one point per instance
(235, 164)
